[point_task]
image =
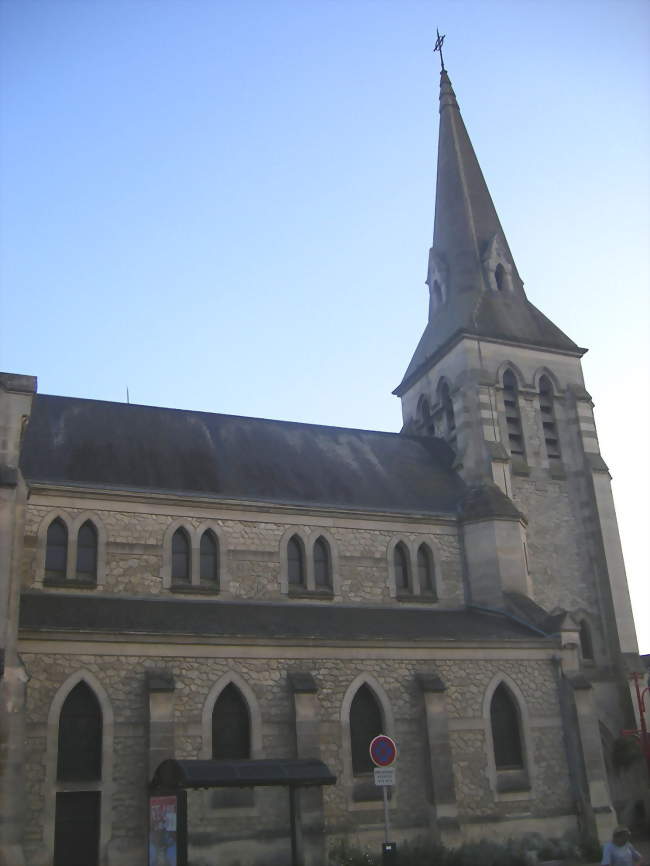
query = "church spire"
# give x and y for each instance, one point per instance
(474, 285)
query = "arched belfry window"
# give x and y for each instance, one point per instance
(513, 417)
(209, 554)
(506, 730)
(424, 418)
(448, 412)
(56, 550)
(322, 564)
(296, 561)
(181, 557)
(365, 725)
(79, 755)
(426, 570)
(231, 726)
(549, 423)
(401, 567)
(586, 643)
(87, 552)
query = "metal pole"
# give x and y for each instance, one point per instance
(296, 829)
(386, 824)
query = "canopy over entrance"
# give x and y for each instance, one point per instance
(175, 774)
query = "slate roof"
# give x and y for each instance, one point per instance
(511, 319)
(118, 445)
(249, 620)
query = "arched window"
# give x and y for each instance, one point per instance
(87, 552)
(500, 277)
(586, 643)
(231, 726)
(506, 733)
(209, 550)
(56, 550)
(296, 561)
(424, 418)
(548, 419)
(365, 725)
(400, 564)
(79, 755)
(181, 572)
(322, 569)
(81, 779)
(513, 418)
(425, 569)
(448, 411)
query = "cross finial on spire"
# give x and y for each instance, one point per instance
(438, 47)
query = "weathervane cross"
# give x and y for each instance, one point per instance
(438, 47)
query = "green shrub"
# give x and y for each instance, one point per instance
(522, 851)
(343, 853)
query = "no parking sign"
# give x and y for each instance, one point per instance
(383, 751)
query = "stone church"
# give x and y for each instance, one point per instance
(187, 585)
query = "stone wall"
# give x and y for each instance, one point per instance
(123, 679)
(251, 552)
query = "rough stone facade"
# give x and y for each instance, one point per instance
(123, 678)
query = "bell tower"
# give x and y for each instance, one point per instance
(503, 385)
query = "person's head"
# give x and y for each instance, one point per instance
(620, 835)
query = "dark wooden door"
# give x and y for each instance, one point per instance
(76, 834)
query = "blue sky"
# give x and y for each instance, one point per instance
(228, 205)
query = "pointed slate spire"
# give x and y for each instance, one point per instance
(473, 281)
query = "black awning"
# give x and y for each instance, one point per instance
(174, 774)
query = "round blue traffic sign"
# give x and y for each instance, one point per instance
(383, 751)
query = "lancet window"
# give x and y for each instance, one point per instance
(209, 553)
(401, 566)
(426, 570)
(181, 557)
(322, 564)
(296, 561)
(549, 423)
(513, 416)
(79, 766)
(231, 726)
(56, 552)
(365, 724)
(506, 731)
(586, 643)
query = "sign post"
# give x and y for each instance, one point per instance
(383, 752)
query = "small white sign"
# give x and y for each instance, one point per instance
(384, 775)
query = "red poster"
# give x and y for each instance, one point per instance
(163, 843)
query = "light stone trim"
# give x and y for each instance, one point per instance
(184, 647)
(412, 544)
(73, 525)
(388, 724)
(524, 731)
(550, 375)
(515, 369)
(168, 505)
(103, 785)
(195, 533)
